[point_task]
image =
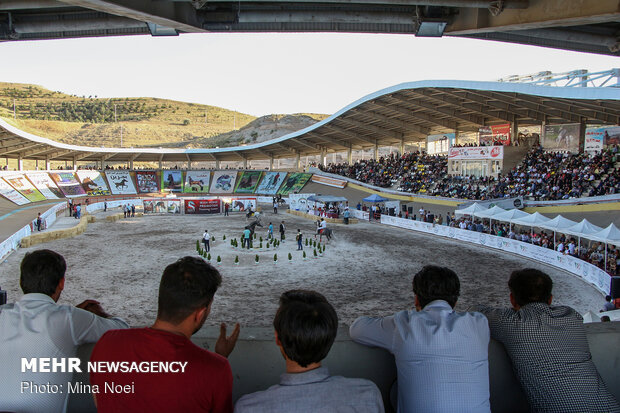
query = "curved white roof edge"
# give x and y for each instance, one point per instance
(586, 93)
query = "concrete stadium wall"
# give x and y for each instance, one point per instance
(257, 364)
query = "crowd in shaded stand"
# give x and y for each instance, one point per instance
(541, 176)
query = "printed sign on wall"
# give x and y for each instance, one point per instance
(45, 185)
(121, 182)
(172, 181)
(294, 183)
(11, 194)
(561, 138)
(68, 184)
(248, 182)
(202, 206)
(147, 182)
(93, 183)
(270, 183)
(197, 181)
(223, 182)
(24, 187)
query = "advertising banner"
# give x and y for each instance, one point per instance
(248, 182)
(243, 204)
(172, 181)
(598, 137)
(11, 194)
(561, 138)
(202, 206)
(477, 153)
(147, 181)
(162, 206)
(93, 183)
(337, 183)
(223, 182)
(197, 181)
(439, 143)
(68, 184)
(270, 183)
(121, 182)
(45, 185)
(491, 135)
(299, 202)
(24, 187)
(294, 183)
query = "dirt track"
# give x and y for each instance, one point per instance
(366, 270)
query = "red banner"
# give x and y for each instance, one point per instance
(202, 206)
(490, 135)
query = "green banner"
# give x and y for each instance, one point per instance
(248, 182)
(294, 183)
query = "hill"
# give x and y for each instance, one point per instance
(138, 122)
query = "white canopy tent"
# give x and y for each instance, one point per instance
(609, 235)
(509, 215)
(470, 210)
(582, 229)
(489, 213)
(558, 224)
(533, 220)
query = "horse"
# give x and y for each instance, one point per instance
(327, 232)
(122, 184)
(252, 227)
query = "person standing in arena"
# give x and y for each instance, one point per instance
(548, 348)
(299, 239)
(441, 355)
(206, 238)
(204, 384)
(282, 230)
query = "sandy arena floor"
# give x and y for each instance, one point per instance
(366, 270)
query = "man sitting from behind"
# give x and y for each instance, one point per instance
(205, 383)
(441, 355)
(36, 327)
(305, 329)
(548, 348)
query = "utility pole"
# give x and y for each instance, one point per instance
(13, 108)
(121, 135)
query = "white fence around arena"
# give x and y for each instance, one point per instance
(586, 271)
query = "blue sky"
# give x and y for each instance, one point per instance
(261, 74)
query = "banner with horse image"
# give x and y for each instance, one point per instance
(162, 206)
(45, 185)
(294, 183)
(223, 182)
(270, 183)
(68, 184)
(11, 194)
(248, 182)
(24, 187)
(598, 137)
(121, 182)
(243, 204)
(172, 181)
(93, 183)
(491, 135)
(147, 182)
(561, 138)
(197, 181)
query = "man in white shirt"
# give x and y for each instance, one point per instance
(36, 327)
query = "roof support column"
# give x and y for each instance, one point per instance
(271, 163)
(298, 161)
(245, 163)
(73, 163)
(189, 165)
(582, 134)
(350, 155)
(47, 163)
(217, 164)
(456, 137)
(323, 159)
(131, 165)
(514, 131)
(375, 151)
(402, 146)
(20, 163)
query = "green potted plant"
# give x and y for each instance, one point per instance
(209, 257)
(236, 260)
(315, 255)
(275, 258)
(219, 260)
(256, 259)
(304, 255)
(290, 258)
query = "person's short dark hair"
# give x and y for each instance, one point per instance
(605, 319)
(436, 283)
(608, 298)
(186, 285)
(306, 324)
(530, 286)
(41, 271)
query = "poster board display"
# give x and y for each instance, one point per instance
(24, 187)
(68, 184)
(11, 194)
(561, 138)
(223, 182)
(197, 181)
(477, 152)
(147, 182)
(299, 202)
(172, 180)
(45, 185)
(243, 204)
(326, 180)
(599, 137)
(271, 183)
(294, 183)
(248, 182)
(162, 206)
(121, 182)
(496, 134)
(93, 183)
(202, 206)
(439, 143)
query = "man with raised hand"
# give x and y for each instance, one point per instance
(441, 354)
(548, 348)
(35, 332)
(180, 376)
(305, 329)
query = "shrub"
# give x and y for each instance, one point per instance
(256, 258)
(275, 257)
(290, 256)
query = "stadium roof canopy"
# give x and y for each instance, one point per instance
(582, 25)
(405, 113)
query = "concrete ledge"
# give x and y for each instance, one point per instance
(46, 236)
(257, 364)
(315, 217)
